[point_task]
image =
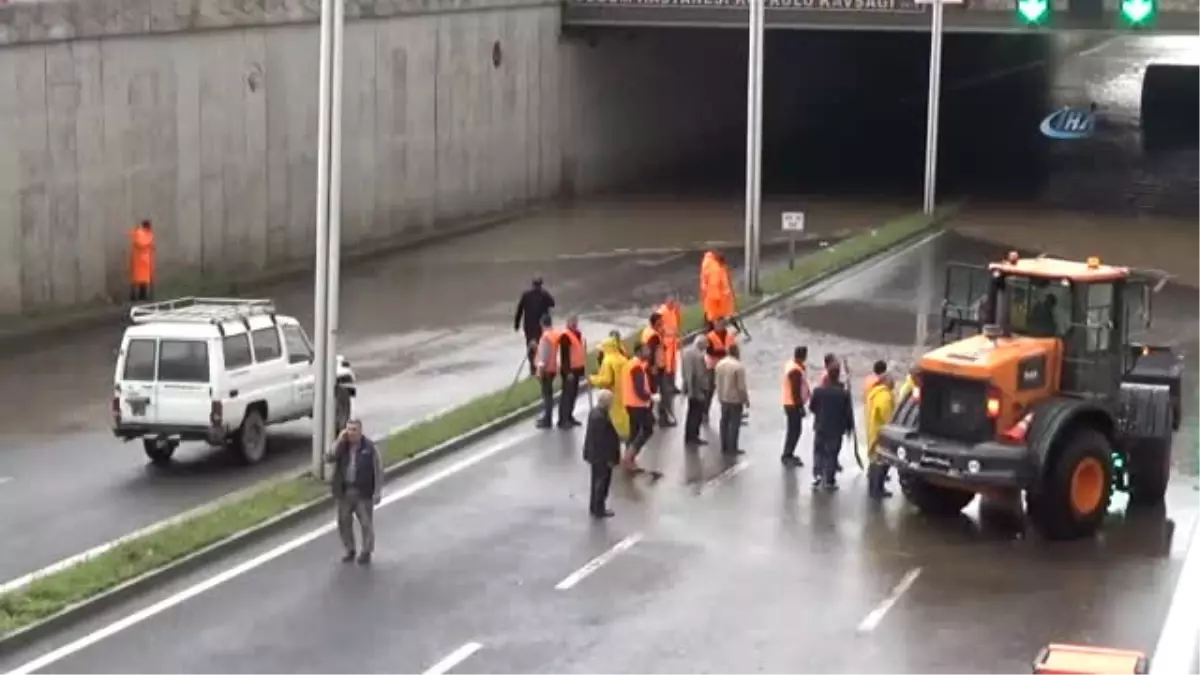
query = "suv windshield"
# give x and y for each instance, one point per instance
(1034, 306)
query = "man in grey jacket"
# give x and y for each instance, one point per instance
(697, 388)
(357, 486)
(734, 397)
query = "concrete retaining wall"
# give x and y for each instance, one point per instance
(207, 126)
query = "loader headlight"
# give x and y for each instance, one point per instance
(902, 453)
(973, 466)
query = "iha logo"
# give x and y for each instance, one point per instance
(1069, 124)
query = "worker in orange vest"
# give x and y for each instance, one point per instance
(638, 394)
(546, 365)
(796, 394)
(141, 261)
(653, 339)
(719, 338)
(573, 359)
(707, 264)
(672, 317)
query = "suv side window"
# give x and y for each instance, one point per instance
(297, 345)
(266, 344)
(183, 361)
(237, 351)
(140, 357)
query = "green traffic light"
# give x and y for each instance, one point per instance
(1137, 12)
(1034, 11)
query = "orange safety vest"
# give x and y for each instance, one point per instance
(549, 338)
(141, 255)
(718, 343)
(660, 360)
(671, 320)
(788, 369)
(577, 353)
(629, 395)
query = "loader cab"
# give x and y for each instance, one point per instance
(1092, 310)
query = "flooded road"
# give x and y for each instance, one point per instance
(490, 560)
(436, 320)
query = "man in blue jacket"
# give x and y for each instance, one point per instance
(833, 419)
(357, 485)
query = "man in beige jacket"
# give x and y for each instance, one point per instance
(734, 397)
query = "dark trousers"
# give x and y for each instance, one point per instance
(825, 457)
(731, 426)
(795, 424)
(570, 392)
(547, 382)
(601, 481)
(876, 478)
(641, 428)
(531, 352)
(666, 401)
(139, 292)
(695, 417)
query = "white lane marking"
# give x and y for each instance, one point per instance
(258, 561)
(1176, 646)
(5, 479)
(872, 620)
(657, 262)
(453, 659)
(719, 479)
(598, 562)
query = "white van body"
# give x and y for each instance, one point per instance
(217, 370)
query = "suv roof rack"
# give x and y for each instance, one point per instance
(202, 310)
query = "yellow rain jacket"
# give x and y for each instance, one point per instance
(880, 406)
(907, 387)
(609, 377)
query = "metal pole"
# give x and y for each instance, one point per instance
(320, 437)
(931, 115)
(753, 131)
(335, 213)
(759, 45)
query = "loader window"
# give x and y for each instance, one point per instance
(1099, 316)
(1037, 307)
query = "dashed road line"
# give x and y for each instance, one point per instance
(598, 562)
(453, 659)
(872, 620)
(720, 479)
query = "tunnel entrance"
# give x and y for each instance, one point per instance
(844, 115)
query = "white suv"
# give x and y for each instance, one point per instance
(217, 370)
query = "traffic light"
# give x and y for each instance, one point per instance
(1035, 12)
(1135, 13)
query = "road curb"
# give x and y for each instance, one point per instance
(93, 606)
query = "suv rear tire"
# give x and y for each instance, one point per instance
(1071, 498)
(250, 440)
(933, 500)
(158, 451)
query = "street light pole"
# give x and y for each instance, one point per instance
(754, 85)
(936, 32)
(328, 228)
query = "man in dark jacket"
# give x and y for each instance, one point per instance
(602, 451)
(833, 418)
(357, 485)
(534, 304)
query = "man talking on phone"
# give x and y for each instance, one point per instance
(357, 486)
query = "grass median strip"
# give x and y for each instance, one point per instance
(54, 592)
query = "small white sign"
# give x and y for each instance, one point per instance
(793, 221)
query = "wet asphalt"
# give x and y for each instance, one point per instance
(733, 567)
(437, 320)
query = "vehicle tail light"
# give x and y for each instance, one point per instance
(116, 409)
(1018, 431)
(993, 402)
(215, 414)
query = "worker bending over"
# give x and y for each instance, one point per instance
(609, 376)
